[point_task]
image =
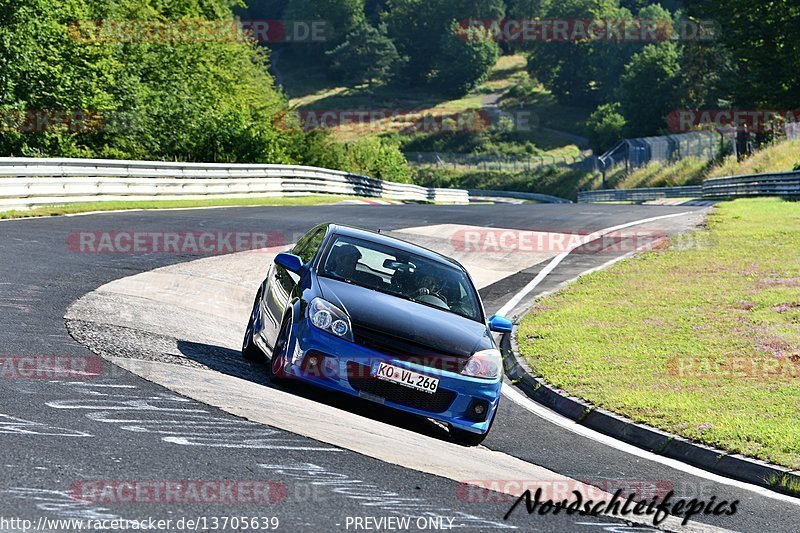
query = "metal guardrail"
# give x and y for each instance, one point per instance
(545, 198)
(27, 182)
(638, 195)
(783, 184)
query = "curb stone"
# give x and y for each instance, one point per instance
(654, 440)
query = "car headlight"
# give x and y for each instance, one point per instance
(484, 364)
(327, 317)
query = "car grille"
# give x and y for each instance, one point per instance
(404, 350)
(361, 380)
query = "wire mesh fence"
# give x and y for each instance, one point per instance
(667, 149)
(632, 153)
(792, 130)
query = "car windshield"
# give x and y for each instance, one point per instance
(402, 274)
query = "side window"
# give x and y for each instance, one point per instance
(308, 246)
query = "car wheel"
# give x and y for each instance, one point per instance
(250, 351)
(275, 368)
(468, 438)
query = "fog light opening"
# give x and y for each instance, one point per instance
(478, 410)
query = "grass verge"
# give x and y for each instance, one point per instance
(780, 157)
(561, 182)
(700, 338)
(69, 209)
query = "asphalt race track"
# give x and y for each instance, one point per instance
(118, 427)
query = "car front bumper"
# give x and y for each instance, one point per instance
(345, 366)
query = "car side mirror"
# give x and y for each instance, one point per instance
(500, 324)
(290, 262)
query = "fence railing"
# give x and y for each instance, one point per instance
(26, 182)
(783, 184)
(792, 130)
(668, 149)
(638, 195)
(478, 194)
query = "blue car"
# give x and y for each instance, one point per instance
(372, 316)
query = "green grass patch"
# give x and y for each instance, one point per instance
(786, 484)
(700, 338)
(531, 96)
(313, 92)
(68, 209)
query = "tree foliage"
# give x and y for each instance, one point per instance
(340, 16)
(366, 56)
(158, 99)
(421, 29)
(605, 127)
(651, 88)
(466, 55)
(582, 71)
(763, 39)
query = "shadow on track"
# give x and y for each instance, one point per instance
(230, 362)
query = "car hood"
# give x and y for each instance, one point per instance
(440, 330)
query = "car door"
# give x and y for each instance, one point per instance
(281, 283)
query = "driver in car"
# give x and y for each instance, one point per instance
(344, 259)
(429, 287)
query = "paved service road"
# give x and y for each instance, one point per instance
(59, 436)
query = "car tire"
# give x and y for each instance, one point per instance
(250, 350)
(275, 371)
(468, 438)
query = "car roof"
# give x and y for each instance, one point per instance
(380, 238)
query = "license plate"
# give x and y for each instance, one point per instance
(407, 378)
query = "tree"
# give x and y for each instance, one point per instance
(604, 127)
(418, 27)
(582, 71)
(366, 56)
(521, 9)
(764, 43)
(340, 16)
(378, 157)
(373, 9)
(651, 88)
(208, 101)
(465, 58)
(43, 69)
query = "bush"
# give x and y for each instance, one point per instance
(604, 127)
(210, 101)
(378, 158)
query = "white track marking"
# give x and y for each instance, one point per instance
(561, 421)
(349, 431)
(277, 408)
(513, 302)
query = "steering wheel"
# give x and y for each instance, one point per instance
(437, 293)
